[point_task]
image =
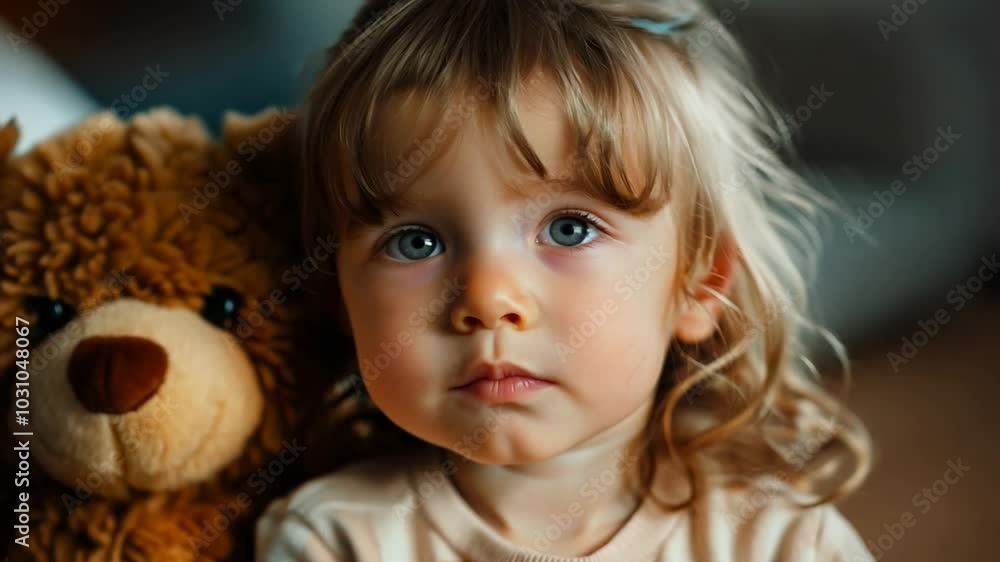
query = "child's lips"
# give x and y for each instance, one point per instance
(506, 389)
(499, 382)
(483, 371)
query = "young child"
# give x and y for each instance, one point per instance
(569, 269)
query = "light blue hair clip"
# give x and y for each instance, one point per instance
(664, 28)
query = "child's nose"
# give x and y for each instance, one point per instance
(490, 294)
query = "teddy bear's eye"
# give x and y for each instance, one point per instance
(50, 314)
(222, 306)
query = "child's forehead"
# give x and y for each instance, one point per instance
(430, 134)
(414, 116)
(527, 140)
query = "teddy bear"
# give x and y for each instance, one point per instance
(159, 356)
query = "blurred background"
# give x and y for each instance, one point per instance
(895, 106)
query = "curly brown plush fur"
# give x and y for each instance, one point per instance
(170, 375)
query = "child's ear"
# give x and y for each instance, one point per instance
(700, 309)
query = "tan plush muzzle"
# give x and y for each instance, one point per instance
(146, 397)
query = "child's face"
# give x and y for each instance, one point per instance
(500, 277)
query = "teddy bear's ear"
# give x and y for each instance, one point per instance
(8, 139)
(264, 141)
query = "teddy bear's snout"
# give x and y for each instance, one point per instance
(116, 374)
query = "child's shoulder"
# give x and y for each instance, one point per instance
(775, 517)
(759, 518)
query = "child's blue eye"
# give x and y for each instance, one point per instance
(571, 229)
(411, 244)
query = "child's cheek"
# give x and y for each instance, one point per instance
(619, 332)
(398, 346)
(405, 381)
(588, 306)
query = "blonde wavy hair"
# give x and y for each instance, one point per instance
(746, 403)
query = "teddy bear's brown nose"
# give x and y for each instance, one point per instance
(116, 374)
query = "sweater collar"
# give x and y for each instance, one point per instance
(461, 527)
